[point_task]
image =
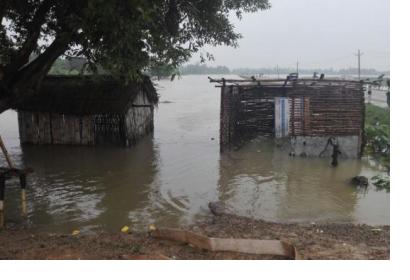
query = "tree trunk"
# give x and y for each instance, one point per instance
(27, 80)
(21, 56)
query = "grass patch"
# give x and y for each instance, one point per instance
(375, 114)
(377, 137)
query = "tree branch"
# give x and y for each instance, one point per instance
(28, 78)
(23, 54)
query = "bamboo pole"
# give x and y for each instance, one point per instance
(6, 155)
(2, 186)
(3, 182)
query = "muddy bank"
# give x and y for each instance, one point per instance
(325, 241)
(313, 241)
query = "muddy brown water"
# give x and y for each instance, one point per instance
(170, 176)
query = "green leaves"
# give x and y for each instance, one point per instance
(377, 133)
(124, 37)
(381, 182)
(378, 138)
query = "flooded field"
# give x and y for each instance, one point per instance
(171, 175)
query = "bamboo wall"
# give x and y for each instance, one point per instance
(109, 129)
(328, 110)
(139, 120)
(320, 110)
(50, 128)
(120, 129)
(230, 104)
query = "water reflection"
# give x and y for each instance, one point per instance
(89, 186)
(261, 181)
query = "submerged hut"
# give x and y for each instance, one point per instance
(87, 110)
(308, 117)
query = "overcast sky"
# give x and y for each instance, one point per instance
(320, 33)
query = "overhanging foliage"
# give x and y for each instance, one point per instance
(125, 37)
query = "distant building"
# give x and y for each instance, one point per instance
(87, 110)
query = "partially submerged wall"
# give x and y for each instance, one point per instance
(109, 129)
(317, 146)
(52, 128)
(139, 119)
(87, 110)
(229, 114)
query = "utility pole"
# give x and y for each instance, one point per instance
(277, 70)
(359, 54)
(297, 66)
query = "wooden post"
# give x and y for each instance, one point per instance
(3, 148)
(23, 184)
(3, 183)
(224, 119)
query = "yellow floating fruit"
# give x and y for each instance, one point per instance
(152, 227)
(125, 229)
(75, 232)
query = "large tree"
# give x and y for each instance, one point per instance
(125, 37)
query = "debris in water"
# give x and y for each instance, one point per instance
(360, 181)
(217, 208)
(125, 229)
(75, 232)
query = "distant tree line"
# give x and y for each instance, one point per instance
(73, 66)
(78, 65)
(201, 69)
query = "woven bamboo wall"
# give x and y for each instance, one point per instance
(230, 103)
(120, 129)
(49, 128)
(327, 110)
(139, 120)
(321, 109)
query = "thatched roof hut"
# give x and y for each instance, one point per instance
(87, 110)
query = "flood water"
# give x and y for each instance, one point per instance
(170, 176)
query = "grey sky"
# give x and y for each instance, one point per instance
(321, 33)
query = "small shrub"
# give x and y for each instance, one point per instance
(381, 182)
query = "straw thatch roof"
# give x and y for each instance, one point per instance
(85, 95)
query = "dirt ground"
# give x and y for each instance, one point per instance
(324, 241)
(313, 241)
